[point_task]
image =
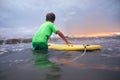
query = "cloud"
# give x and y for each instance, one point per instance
(70, 14)
(17, 32)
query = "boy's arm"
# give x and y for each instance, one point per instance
(63, 37)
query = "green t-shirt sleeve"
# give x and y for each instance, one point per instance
(54, 29)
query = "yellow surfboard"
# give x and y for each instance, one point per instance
(75, 47)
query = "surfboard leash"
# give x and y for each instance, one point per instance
(85, 49)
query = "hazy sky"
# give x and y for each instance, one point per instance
(23, 17)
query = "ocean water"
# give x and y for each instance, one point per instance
(19, 62)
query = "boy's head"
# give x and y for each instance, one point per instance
(50, 17)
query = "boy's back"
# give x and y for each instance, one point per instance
(44, 32)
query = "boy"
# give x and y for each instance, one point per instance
(40, 39)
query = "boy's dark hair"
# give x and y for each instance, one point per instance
(50, 17)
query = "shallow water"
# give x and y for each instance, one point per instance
(19, 62)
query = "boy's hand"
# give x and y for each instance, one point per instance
(63, 37)
(69, 44)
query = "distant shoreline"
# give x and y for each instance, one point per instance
(29, 40)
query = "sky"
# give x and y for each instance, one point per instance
(21, 18)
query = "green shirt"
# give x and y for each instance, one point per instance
(44, 32)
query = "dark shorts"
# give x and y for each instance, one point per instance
(39, 46)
